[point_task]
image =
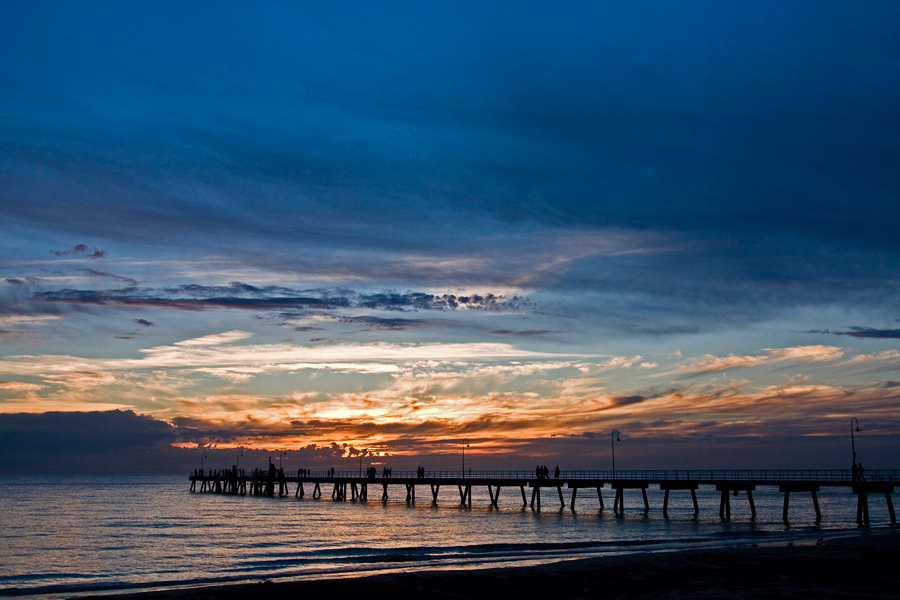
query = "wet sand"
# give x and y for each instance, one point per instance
(855, 566)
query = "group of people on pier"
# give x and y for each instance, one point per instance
(543, 472)
(858, 472)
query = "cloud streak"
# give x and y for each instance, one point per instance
(799, 354)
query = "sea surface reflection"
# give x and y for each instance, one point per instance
(70, 535)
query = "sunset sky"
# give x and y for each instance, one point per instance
(392, 228)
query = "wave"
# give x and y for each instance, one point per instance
(350, 561)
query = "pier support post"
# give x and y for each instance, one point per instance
(697, 506)
(562, 503)
(862, 508)
(536, 493)
(384, 495)
(434, 493)
(524, 497)
(317, 491)
(862, 489)
(364, 492)
(619, 501)
(410, 493)
(668, 486)
(733, 487)
(646, 504)
(299, 493)
(725, 506)
(465, 495)
(572, 503)
(494, 496)
(787, 501)
(787, 488)
(600, 496)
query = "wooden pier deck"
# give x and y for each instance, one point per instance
(355, 485)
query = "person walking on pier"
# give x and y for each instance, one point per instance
(556, 472)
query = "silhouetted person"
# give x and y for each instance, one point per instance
(862, 471)
(556, 472)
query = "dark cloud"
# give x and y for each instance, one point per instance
(114, 441)
(81, 250)
(241, 296)
(104, 275)
(145, 322)
(25, 280)
(418, 300)
(526, 332)
(862, 332)
(384, 324)
(626, 400)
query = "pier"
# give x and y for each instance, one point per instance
(355, 485)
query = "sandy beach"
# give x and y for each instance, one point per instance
(853, 566)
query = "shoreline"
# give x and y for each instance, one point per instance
(861, 565)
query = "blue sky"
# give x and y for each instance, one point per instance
(396, 226)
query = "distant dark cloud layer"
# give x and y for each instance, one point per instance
(242, 296)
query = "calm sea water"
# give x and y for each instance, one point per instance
(73, 535)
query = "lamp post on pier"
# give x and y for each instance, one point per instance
(465, 445)
(240, 453)
(614, 437)
(202, 456)
(852, 441)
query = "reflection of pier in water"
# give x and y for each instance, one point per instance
(728, 483)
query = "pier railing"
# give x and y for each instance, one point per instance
(712, 476)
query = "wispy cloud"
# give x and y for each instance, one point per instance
(221, 350)
(104, 275)
(800, 354)
(866, 358)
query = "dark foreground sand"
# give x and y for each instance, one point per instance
(863, 566)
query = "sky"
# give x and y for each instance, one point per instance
(385, 232)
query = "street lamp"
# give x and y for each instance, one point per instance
(239, 455)
(280, 458)
(202, 456)
(465, 445)
(852, 442)
(614, 435)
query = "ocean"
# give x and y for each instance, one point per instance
(73, 535)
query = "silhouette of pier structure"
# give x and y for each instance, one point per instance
(354, 485)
